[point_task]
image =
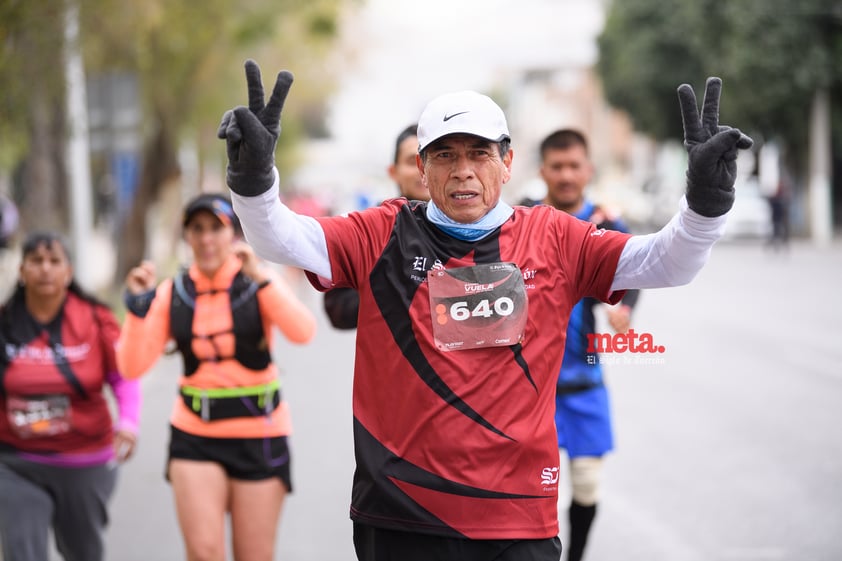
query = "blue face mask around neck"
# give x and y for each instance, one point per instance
(475, 230)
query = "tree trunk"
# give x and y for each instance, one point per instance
(159, 165)
(43, 181)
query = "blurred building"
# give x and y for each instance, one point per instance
(546, 99)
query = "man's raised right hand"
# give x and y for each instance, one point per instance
(251, 134)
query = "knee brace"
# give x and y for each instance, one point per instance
(585, 475)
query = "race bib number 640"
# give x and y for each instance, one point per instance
(480, 306)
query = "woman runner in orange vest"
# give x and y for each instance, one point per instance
(229, 425)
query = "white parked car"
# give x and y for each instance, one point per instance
(751, 215)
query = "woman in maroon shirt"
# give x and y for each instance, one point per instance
(58, 445)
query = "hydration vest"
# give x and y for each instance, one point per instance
(251, 348)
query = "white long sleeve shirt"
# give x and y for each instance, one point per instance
(670, 257)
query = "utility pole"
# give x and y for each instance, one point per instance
(821, 219)
(78, 153)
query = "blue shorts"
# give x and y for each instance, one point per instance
(583, 422)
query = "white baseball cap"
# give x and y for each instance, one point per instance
(466, 112)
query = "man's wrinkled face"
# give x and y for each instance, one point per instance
(465, 175)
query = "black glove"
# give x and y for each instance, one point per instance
(711, 150)
(252, 132)
(138, 304)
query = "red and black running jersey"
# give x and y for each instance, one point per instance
(461, 442)
(70, 358)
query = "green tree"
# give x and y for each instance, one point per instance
(773, 57)
(646, 51)
(32, 110)
(186, 57)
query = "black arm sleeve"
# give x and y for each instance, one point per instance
(341, 306)
(630, 297)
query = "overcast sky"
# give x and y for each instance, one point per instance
(401, 54)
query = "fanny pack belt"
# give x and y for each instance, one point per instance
(227, 403)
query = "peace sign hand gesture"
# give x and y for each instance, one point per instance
(711, 150)
(251, 134)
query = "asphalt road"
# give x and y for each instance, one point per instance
(729, 444)
(731, 449)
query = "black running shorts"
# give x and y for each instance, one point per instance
(248, 459)
(380, 544)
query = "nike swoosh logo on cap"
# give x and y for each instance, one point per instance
(448, 117)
